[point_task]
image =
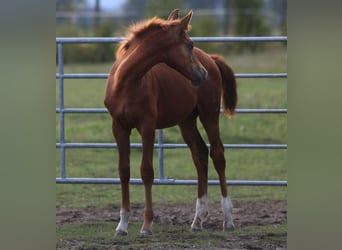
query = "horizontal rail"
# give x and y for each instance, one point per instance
(241, 39)
(166, 145)
(160, 146)
(168, 182)
(83, 76)
(103, 110)
(261, 75)
(105, 75)
(195, 39)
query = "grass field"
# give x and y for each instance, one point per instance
(99, 236)
(242, 164)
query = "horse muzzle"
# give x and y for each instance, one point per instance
(199, 74)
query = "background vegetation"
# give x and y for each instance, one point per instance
(211, 18)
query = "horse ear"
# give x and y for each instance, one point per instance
(185, 21)
(173, 15)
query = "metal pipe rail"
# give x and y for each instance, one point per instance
(160, 146)
(103, 110)
(105, 76)
(166, 145)
(166, 181)
(195, 39)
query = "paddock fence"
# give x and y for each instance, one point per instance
(159, 145)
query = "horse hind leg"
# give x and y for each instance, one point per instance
(217, 155)
(199, 153)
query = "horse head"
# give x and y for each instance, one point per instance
(164, 41)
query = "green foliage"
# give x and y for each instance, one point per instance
(249, 22)
(205, 26)
(161, 8)
(70, 5)
(87, 53)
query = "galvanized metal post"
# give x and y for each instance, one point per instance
(160, 154)
(61, 109)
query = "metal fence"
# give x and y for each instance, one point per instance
(160, 146)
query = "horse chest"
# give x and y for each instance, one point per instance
(130, 110)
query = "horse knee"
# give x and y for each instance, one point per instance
(124, 173)
(147, 174)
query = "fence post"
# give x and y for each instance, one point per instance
(61, 108)
(160, 154)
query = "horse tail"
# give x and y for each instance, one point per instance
(229, 95)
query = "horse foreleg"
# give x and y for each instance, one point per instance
(147, 175)
(122, 138)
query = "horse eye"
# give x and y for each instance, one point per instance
(190, 46)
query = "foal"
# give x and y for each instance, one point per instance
(152, 85)
(133, 98)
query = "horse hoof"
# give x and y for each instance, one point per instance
(120, 233)
(145, 233)
(195, 229)
(228, 227)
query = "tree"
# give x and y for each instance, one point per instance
(162, 8)
(249, 20)
(134, 10)
(69, 5)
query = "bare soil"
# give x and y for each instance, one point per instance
(245, 213)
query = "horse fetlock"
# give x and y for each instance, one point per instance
(227, 208)
(122, 228)
(196, 225)
(201, 213)
(202, 207)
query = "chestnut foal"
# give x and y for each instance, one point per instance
(155, 83)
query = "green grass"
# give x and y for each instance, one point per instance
(243, 128)
(100, 235)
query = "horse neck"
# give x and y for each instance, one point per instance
(133, 67)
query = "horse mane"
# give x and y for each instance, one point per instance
(139, 29)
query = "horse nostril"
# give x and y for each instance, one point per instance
(200, 74)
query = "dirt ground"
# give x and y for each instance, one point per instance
(245, 213)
